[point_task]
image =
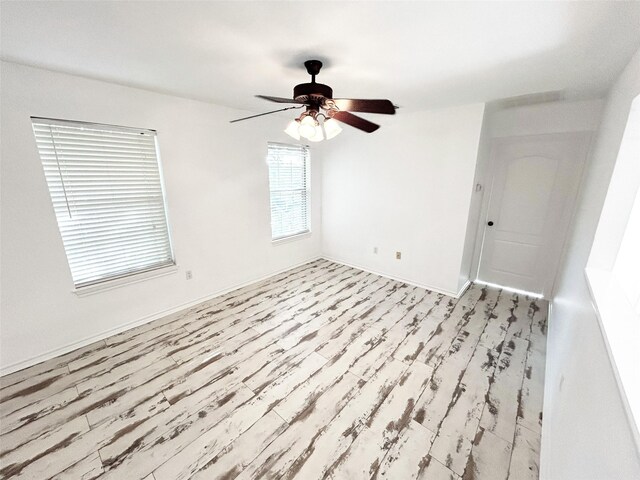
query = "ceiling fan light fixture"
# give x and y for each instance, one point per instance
(331, 128)
(307, 128)
(318, 134)
(293, 129)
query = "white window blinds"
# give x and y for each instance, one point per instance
(289, 187)
(106, 188)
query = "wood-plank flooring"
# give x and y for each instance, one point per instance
(320, 372)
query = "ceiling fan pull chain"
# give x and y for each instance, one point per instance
(261, 114)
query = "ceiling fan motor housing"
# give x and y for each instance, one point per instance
(307, 91)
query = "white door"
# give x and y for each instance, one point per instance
(533, 191)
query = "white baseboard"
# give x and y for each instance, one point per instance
(5, 370)
(464, 288)
(400, 279)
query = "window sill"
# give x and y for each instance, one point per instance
(291, 238)
(121, 282)
(621, 330)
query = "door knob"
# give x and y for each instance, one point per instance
(490, 223)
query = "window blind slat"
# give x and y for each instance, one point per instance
(124, 259)
(98, 243)
(118, 272)
(106, 190)
(289, 189)
(105, 208)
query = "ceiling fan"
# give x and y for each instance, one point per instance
(320, 105)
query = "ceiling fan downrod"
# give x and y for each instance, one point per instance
(313, 68)
(312, 92)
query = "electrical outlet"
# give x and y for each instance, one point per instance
(189, 275)
(398, 255)
(375, 250)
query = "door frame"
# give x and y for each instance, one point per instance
(584, 140)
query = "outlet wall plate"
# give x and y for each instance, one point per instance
(398, 255)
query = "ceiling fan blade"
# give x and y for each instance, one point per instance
(355, 121)
(279, 99)
(366, 106)
(261, 114)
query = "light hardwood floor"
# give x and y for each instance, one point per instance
(321, 372)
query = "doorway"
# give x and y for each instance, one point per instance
(534, 182)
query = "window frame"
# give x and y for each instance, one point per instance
(307, 159)
(114, 280)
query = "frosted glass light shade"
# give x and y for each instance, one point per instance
(331, 128)
(292, 129)
(318, 136)
(307, 127)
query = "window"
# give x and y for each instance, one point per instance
(106, 188)
(289, 187)
(614, 262)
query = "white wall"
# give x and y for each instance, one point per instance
(586, 434)
(544, 118)
(407, 188)
(218, 202)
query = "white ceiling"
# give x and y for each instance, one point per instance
(417, 54)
